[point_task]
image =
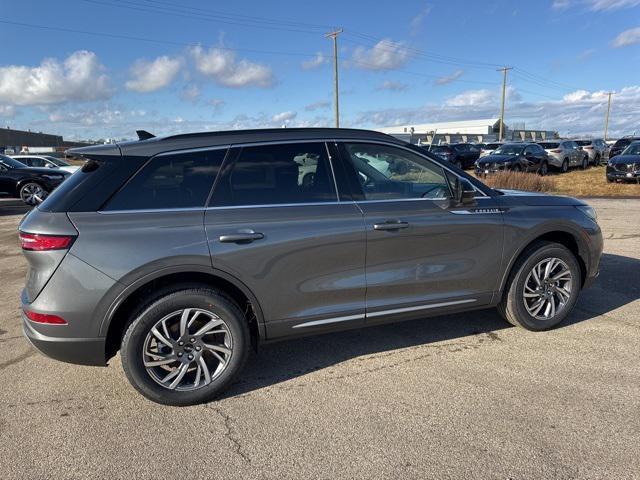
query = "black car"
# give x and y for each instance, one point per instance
(517, 157)
(621, 144)
(625, 166)
(462, 155)
(32, 185)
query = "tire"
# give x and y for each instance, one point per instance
(32, 193)
(205, 306)
(585, 163)
(596, 162)
(458, 164)
(609, 180)
(513, 307)
(544, 169)
(565, 166)
(517, 169)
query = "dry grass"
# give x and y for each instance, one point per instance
(520, 181)
(576, 183)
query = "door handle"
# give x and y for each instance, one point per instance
(242, 236)
(391, 225)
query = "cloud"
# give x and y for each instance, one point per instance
(384, 55)
(444, 80)
(284, 117)
(580, 113)
(151, 75)
(626, 38)
(595, 5)
(418, 20)
(316, 62)
(393, 86)
(7, 111)
(225, 69)
(320, 105)
(190, 93)
(80, 77)
(216, 104)
(471, 98)
(586, 54)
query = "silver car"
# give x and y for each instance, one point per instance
(564, 154)
(489, 148)
(595, 148)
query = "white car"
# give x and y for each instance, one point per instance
(45, 161)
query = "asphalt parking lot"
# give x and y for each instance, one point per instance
(461, 396)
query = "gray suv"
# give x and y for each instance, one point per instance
(186, 252)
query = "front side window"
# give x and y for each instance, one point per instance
(35, 162)
(278, 174)
(389, 173)
(181, 180)
(509, 150)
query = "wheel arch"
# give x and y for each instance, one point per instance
(118, 315)
(565, 237)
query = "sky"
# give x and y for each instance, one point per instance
(90, 69)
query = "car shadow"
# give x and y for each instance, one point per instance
(279, 362)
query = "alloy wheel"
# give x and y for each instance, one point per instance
(32, 194)
(547, 289)
(187, 349)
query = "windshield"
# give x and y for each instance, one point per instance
(491, 146)
(57, 161)
(583, 143)
(623, 142)
(549, 144)
(633, 149)
(509, 150)
(11, 162)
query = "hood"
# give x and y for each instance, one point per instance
(535, 199)
(493, 158)
(625, 159)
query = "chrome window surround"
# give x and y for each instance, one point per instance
(275, 205)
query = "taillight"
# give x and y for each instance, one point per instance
(557, 150)
(44, 318)
(588, 148)
(39, 243)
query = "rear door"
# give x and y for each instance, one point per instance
(423, 253)
(275, 222)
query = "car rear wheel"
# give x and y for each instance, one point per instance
(565, 166)
(32, 193)
(585, 163)
(185, 346)
(597, 160)
(544, 169)
(543, 287)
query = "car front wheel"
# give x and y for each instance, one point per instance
(185, 346)
(543, 287)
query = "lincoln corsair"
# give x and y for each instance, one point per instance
(185, 253)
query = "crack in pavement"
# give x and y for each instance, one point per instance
(229, 433)
(19, 358)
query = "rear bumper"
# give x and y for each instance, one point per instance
(82, 351)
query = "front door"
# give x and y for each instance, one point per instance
(275, 223)
(423, 252)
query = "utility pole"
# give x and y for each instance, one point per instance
(504, 70)
(606, 121)
(334, 36)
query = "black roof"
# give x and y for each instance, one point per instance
(155, 145)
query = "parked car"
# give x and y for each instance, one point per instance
(626, 166)
(596, 149)
(185, 252)
(462, 155)
(564, 154)
(517, 157)
(45, 161)
(489, 148)
(621, 144)
(32, 185)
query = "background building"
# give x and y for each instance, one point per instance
(16, 141)
(483, 130)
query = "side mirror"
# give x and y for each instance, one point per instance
(464, 192)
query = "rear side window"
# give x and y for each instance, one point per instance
(181, 180)
(277, 174)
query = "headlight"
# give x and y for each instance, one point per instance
(589, 212)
